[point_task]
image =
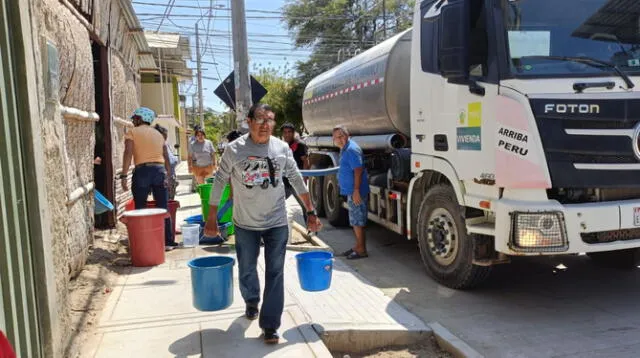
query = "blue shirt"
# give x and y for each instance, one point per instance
(351, 158)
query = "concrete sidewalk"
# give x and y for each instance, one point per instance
(150, 313)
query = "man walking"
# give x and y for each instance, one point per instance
(300, 151)
(353, 181)
(256, 164)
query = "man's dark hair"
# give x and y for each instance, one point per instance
(258, 106)
(288, 125)
(233, 135)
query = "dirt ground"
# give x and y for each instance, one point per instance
(427, 350)
(89, 292)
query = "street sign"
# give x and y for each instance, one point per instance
(227, 91)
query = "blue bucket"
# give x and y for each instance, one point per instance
(102, 204)
(212, 282)
(314, 270)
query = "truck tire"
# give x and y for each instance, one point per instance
(336, 214)
(446, 248)
(316, 186)
(621, 259)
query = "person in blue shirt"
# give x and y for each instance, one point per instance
(353, 181)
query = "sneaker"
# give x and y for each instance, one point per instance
(251, 313)
(271, 336)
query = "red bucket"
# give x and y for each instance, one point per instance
(146, 236)
(174, 205)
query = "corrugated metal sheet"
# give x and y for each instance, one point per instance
(166, 40)
(616, 17)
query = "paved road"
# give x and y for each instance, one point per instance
(529, 308)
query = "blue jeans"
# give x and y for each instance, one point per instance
(150, 179)
(248, 250)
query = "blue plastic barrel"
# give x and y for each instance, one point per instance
(212, 282)
(314, 270)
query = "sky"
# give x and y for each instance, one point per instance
(270, 44)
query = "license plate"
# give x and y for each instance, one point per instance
(636, 216)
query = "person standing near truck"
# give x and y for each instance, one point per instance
(300, 151)
(354, 183)
(255, 165)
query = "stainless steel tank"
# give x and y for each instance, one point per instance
(369, 94)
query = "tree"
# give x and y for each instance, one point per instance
(217, 125)
(282, 95)
(341, 27)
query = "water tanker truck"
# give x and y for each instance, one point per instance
(493, 129)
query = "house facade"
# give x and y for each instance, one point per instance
(70, 80)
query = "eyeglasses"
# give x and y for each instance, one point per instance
(261, 121)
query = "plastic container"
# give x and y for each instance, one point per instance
(173, 205)
(146, 236)
(204, 190)
(102, 204)
(226, 211)
(315, 270)
(190, 235)
(131, 205)
(212, 282)
(195, 219)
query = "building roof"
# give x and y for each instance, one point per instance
(171, 50)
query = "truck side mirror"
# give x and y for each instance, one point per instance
(454, 40)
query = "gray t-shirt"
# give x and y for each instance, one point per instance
(257, 204)
(202, 153)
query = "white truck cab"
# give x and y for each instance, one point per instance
(524, 133)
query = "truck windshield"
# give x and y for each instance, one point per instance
(545, 35)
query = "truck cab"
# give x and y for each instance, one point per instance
(530, 110)
(523, 139)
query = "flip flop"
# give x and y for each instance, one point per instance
(347, 253)
(354, 256)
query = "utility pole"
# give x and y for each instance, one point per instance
(200, 109)
(384, 19)
(193, 108)
(240, 62)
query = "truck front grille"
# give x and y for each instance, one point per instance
(590, 150)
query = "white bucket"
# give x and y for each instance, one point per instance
(190, 235)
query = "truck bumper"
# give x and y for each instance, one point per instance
(549, 228)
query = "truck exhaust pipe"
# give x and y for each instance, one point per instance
(366, 142)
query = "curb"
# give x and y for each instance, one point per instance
(357, 340)
(452, 344)
(315, 240)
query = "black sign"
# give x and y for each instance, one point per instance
(227, 91)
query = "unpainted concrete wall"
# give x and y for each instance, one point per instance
(68, 144)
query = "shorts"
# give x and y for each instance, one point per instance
(201, 173)
(357, 213)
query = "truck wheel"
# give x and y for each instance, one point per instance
(336, 214)
(445, 246)
(621, 259)
(315, 192)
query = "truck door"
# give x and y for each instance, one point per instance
(461, 111)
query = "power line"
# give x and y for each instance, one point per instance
(152, 15)
(167, 11)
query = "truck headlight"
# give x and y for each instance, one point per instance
(538, 232)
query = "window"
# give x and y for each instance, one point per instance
(429, 34)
